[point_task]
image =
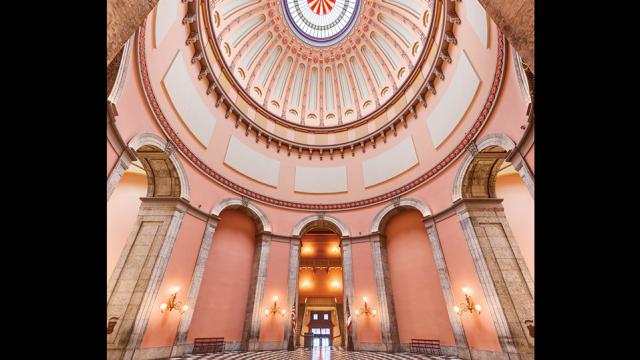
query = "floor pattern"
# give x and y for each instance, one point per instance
(324, 353)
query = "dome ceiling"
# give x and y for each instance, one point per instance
(323, 66)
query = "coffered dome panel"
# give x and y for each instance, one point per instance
(324, 66)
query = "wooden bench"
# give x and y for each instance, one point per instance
(208, 345)
(426, 346)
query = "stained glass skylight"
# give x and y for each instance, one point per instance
(321, 22)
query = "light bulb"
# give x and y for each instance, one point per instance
(275, 298)
(478, 307)
(163, 307)
(374, 312)
(456, 309)
(357, 312)
(283, 312)
(364, 298)
(185, 308)
(266, 311)
(466, 291)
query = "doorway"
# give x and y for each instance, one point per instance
(320, 289)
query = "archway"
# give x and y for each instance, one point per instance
(509, 286)
(320, 281)
(135, 279)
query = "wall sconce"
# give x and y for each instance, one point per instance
(469, 306)
(274, 309)
(173, 304)
(366, 310)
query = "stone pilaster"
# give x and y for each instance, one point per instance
(347, 281)
(388, 322)
(194, 288)
(251, 331)
(504, 277)
(441, 266)
(292, 297)
(136, 279)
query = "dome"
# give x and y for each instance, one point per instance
(323, 66)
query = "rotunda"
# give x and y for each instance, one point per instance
(339, 175)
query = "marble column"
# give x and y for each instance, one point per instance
(251, 331)
(292, 297)
(196, 280)
(347, 281)
(387, 314)
(504, 276)
(135, 281)
(443, 273)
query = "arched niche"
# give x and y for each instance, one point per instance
(258, 216)
(383, 217)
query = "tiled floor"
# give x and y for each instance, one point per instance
(320, 353)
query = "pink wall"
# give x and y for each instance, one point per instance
(518, 207)
(420, 307)
(122, 212)
(161, 330)
(479, 329)
(222, 300)
(364, 284)
(276, 284)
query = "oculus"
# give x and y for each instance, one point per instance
(321, 22)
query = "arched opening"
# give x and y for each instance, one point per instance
(321, 283)
(488, 232)
(320, 288)
(519, 209)
(146, 203)
(122, 211)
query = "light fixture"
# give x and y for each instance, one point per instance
(469, 306)
(335, 249)
(366, 310)
(274, 309)
(306, 249)
(172, 304)
(335, 284)
(306, 284)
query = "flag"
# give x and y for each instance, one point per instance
(348, 315)
(293, 319)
